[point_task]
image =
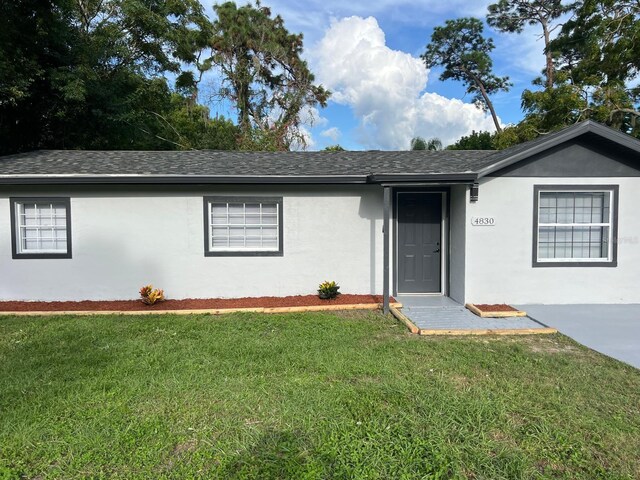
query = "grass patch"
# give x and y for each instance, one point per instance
(311, 395)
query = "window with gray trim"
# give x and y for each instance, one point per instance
(575, 226)
(41, 227)
(243, 226)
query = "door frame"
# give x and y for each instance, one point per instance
(444, 239)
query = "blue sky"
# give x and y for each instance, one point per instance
(367, 53)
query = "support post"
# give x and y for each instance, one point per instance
(385, 246)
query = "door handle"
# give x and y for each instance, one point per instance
(436, 251)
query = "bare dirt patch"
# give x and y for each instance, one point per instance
(551, 346)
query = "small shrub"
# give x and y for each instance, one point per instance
(328, 290)
(151, 295)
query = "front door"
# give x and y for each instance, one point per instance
(419, 237)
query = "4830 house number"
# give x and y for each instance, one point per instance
(483, 221)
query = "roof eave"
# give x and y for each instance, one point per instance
(436, 178)
(177, 179)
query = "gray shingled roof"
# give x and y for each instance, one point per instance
(232, 163)
(60, 166)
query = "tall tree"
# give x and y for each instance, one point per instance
(263, 73)
(91, 73)
(419, 143)
(474, 141)
(600, 52)
(597, 68)
(462, 50)
(513, 15)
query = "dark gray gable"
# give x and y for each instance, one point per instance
(576, 158)
(588, 149)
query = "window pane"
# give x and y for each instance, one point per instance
(270, 242)
(252, 208)
(220, 231)
(269, 219)
(30, 244)
(253, 219)
(48, 244)
(41, 227)
(564, 215)
(244, 226)
(545, 251)
(236, 241)
(572, 242)
(547, 200)
(255, 242)
(269, 208)
(253, 231)
(547, 215)
(220, 242)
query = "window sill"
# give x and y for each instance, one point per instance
(26, 256)
(612, 264)
(241, 253)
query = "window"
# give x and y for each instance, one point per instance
(41, 227)
(236, 226)
(575, 225)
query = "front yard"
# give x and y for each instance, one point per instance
(348, 395)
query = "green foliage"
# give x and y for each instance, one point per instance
(598, 44)
(515, 134)
(462, 50)
(328, 290)
(419, 143)
(90, 74)
(264, 76)
(474, 141)
(189, 126)
(596, 58)
(600, 55)
(513, 15)
(334, 148)
(306, 396)
(265, 140)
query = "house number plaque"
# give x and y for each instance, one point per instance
(483, 221)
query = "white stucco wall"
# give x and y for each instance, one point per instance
(499, 259)
(125, 238)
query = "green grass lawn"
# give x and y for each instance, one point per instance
(305, 396)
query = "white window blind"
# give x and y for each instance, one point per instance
(41, 227)
(575, 226)
(244, 226)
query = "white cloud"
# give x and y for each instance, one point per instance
(333, 133)
(384, 87)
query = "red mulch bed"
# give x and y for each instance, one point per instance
(188, 303)
(496, 307)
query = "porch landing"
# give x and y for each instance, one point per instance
(439, 315)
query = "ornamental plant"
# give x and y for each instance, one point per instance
(328, 290)
(151, 295)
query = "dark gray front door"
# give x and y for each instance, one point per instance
(419, 236)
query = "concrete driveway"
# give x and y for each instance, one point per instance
(610, 329)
